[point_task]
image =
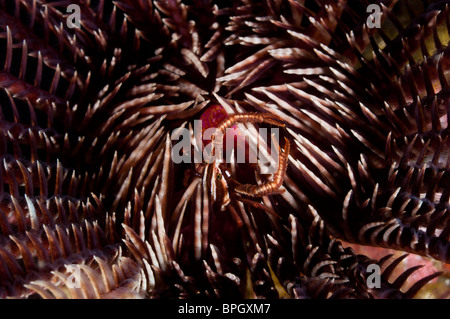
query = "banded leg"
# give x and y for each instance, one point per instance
(269, 188)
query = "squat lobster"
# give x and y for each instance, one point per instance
(268, 188)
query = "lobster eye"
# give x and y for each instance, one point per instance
(218, 176)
